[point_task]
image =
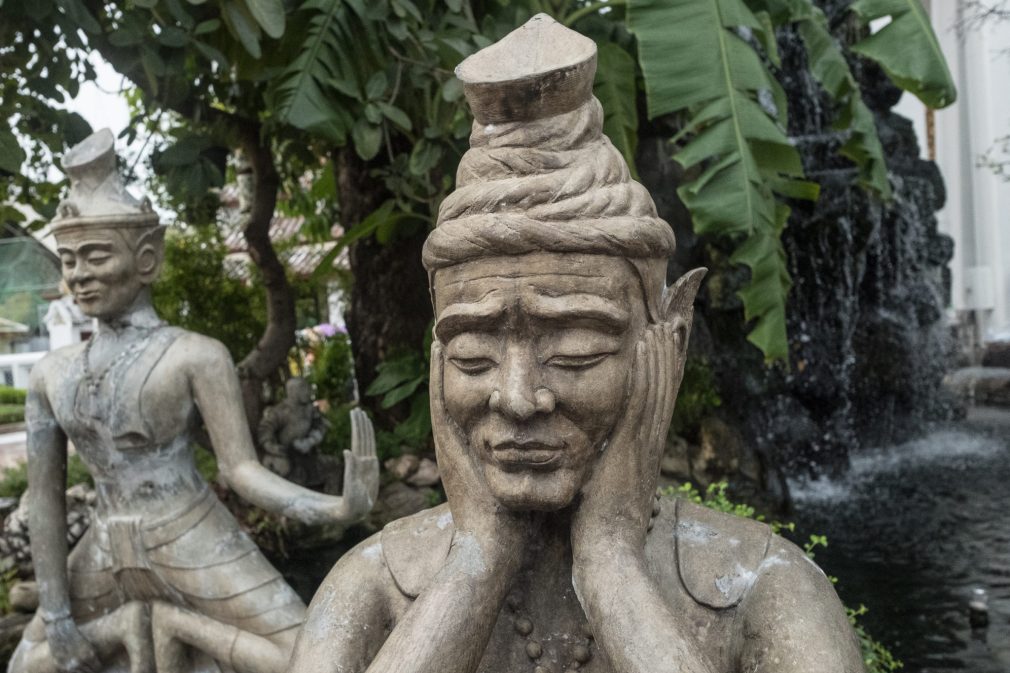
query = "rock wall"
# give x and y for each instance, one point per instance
(868, 345)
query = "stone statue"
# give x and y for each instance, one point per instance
(164, 579)
(557, 356)
(290, 430)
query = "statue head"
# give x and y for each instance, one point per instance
(298, 391)
(110, 243)
(547, 264)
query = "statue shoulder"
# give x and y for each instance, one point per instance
(198, 350)
(415, 547)
(59, 358)
(719, 556)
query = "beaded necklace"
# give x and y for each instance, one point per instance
(581, 652)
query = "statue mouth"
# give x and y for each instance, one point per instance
(513, 456)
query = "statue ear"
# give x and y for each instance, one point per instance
(678, 304)
(150, 251)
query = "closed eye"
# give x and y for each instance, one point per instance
(577, 361)
(473, 366)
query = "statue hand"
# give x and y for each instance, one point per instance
(616, 503)
(498, 531)
(70, 649)
(361, 468)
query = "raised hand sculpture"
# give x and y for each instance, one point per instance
(164, 579)
(557, 357)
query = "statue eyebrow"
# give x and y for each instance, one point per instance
(478, 316)
(85, 247)
(579, 308)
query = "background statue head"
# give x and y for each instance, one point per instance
(547, 265)
(298, 391)
(110, 243)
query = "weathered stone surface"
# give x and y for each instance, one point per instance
(557, 354)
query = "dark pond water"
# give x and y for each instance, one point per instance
(913, 530)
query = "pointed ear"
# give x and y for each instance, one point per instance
(678, 303)
(150, 252)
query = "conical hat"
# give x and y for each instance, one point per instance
(98, 198)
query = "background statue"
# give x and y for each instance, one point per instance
(290, 430)
(557, 357)
(164, 573)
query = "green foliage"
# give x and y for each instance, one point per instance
(12, 413)
(876, 656)
(332, 368)
(196, 292)
(405, 377)
(10, 395)
(206, 463)
(828, 65)
(14, 480)
(697, 396)
(616, 89)
(8, 578)
(907, 49)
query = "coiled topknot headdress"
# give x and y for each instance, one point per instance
(540, 175)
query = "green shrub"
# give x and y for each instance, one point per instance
(11, 413)
(10, 395)
(696, 399)
(332, 368)
(876, 657)
(14, 480)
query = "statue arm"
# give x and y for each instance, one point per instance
(648, 631)
(47, 481)
(348, 618)
(794, 619)
(465, 597)
(218, 395)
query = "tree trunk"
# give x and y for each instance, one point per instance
(272, 350)
(390, 307)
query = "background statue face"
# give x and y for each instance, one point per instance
(538, 352)
(103, 271)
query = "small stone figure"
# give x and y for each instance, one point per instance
(164, 579)
(290, 430)
(557, 355)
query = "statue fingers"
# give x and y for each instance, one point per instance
(355, 431)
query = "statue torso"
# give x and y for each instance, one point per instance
(131, 418)
(703, 562)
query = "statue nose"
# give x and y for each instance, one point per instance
(515, 397)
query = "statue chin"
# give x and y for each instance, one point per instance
(530, 490)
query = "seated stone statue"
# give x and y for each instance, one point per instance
(557, 357)
(290, 430)
(164, 579)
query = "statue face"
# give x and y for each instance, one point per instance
(101, 270)
(538, 352)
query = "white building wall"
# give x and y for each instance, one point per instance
(977, 212)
